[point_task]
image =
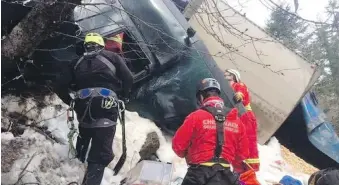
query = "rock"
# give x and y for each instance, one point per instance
(5, 124)
(13, 122)
(150, 146)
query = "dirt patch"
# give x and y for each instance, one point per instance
(10, 152)
(48, 163)
(298, 164)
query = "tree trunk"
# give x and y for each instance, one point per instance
(39, 23)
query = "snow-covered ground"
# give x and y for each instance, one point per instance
(52, 165)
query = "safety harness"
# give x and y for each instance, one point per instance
(110, 99)
(219, 114)
(121, 115)
(102, 58)
(217, 163)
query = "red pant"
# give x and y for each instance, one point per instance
(250, 122)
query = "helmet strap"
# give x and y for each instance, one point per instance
(93, 52)
(198, 98)
(234, 78)
(230, 75)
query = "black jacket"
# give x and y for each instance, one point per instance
(92, 72)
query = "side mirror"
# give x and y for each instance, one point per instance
(190, 33)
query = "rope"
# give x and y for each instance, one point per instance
(72, 149)
(122, 108)
(70, 118)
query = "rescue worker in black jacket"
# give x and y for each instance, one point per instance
(96, 77)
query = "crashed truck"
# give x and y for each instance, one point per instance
(168, 55)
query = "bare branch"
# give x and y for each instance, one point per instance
(23, 170)
(214, 24)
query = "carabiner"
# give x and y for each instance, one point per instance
(70, 115)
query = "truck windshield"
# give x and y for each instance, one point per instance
(158, 26)
(102, 18)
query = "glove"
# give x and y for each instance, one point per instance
(238, 97)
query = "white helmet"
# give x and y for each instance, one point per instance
(235, 73)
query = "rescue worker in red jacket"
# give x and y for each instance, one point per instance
(211, 138)
(114, 43)
(249, 119)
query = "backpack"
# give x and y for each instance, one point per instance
(104, 59)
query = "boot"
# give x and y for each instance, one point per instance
(94, 174)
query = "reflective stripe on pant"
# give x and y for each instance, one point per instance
(225, 165)
(250, 122)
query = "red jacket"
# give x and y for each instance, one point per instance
(114, 43)
(242, 88)
(196, 138)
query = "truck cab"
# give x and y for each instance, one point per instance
(153, 37)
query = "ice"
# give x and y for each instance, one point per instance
(52, 165)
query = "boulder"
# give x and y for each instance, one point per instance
(150, 147)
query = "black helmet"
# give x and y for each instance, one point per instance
(207, 84)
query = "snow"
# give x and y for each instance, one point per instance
(273, 168)
(51, 163)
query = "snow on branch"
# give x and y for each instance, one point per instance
(21, 113)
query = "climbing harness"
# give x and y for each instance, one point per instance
(109, 99)
(73, 132)
(95, 91)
